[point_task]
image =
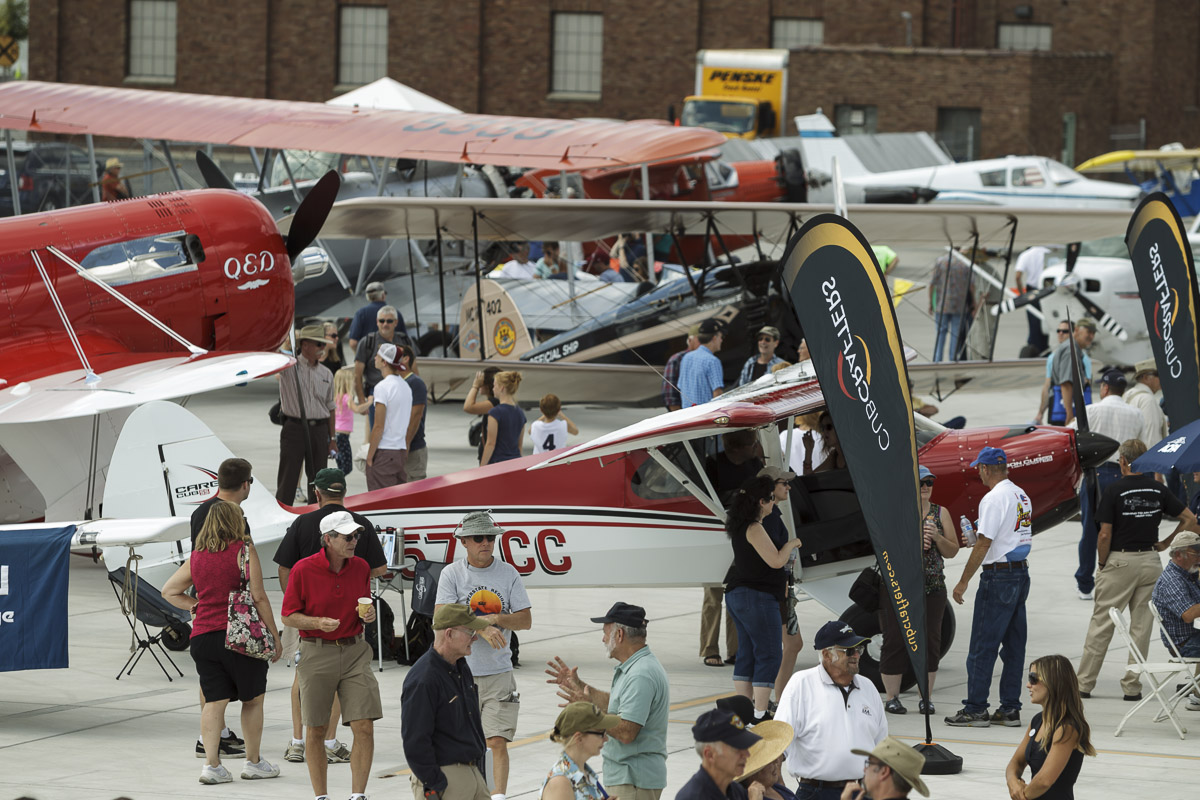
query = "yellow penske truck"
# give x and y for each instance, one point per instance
(740, 93)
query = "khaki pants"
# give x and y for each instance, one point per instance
(626, 791)
(463, 782)
(416, 465)
(1126, 582)
(710, 625)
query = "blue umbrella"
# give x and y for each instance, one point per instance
(1179, 451)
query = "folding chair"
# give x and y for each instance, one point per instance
(150, 609)
(1191, 685)
(1155, 676)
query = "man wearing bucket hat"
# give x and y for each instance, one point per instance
(723, 744)
(307, 408)
(893, 769)
(1003, 543)
(1177, 597)
(439, 712)
(635, 757)
(492, 589)
(831, 709)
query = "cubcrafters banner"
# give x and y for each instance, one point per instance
(838, 294)
(33, 598)
(1166, 277)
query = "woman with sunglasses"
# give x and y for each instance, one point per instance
(1058, 737)
(755, 587)
(833, 450)
(582, 729)
(938, 542)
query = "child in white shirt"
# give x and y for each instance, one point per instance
(549, 431)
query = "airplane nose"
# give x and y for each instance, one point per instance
(1093, 448)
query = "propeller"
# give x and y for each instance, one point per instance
(213, 176)
(1070, 286)
(311, 214)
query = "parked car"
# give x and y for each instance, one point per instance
(49, 175)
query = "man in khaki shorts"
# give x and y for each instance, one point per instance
(494, 593)
(321, 601)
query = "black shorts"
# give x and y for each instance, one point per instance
(224, 674)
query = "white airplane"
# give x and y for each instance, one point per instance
(1029, 181)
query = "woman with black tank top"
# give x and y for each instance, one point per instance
(505, 422)
(1057, 738)
(754, 588)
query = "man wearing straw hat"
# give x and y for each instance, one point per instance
(893, 769)
(111, 185)
(306, 406)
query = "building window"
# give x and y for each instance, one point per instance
(578, 51)
(362, 44)
(1022, 36)
(789, 32)
(854, 119)
(152, 39)
(958, 129)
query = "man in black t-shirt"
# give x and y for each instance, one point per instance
(302, 539)
(1130, 511)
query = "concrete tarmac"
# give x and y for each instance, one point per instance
(78, 733)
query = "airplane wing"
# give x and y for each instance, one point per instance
(130, 379)
(118, 532)
(773, 397)
(1119, 161)
(249, 122)
(572, 382)
(500, 219)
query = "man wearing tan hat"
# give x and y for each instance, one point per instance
(1142, 396)
(761, 363)
(893, 769)
(1177, 597)
(307, 431)
(111, 185)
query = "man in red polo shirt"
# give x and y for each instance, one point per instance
(322, 602)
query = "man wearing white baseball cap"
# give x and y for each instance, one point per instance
(393, 407)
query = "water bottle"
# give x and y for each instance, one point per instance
(968, 530)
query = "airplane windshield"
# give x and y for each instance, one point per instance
(1108, 247)
(719, 115)
(1061, 174)
(140, 259)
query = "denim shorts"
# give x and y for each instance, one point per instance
(760, 635)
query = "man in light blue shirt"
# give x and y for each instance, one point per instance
(701, 377)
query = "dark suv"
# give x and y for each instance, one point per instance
(49, 175)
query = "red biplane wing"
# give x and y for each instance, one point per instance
(131, 379)
(770, 399)
(249, 122)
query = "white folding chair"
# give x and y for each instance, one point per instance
(1191, 685)
(1155, 676)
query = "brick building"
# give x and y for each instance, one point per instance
(1052, 77)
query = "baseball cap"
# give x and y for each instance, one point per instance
(339, 522)
(453, 615)
(1142, 367)
(581, 718)
(836, 634)
(331, 479)
(776, 474)
(375, 286)
(624, 614)
(925, 472)
(769, 330)
(711, 327)
(478, 523)
(990, 455)
(1183, 540)
(1114, 378)
(904, 761)
(719, 725)
(390, 353)
(1086, 322)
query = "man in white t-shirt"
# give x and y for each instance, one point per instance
(549, 431)
(493, 590)
(1027, 278)
(1005, 537)
(393, 408)
(519, 266)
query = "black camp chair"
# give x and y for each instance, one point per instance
(152, 610)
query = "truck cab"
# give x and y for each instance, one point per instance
(741, 93)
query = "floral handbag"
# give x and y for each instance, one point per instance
(245, 632)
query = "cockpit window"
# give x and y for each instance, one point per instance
(1061, 174)
(140, 259)
(652, 482)
(1027, 176)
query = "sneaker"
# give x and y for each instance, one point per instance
(337, 755)
(1082, 595)
(294, 753)
(965, 719)
(263, 769)
(230, 746)
(213, 775)
(926, 707)
(1009, 719)
(233, 738)
(894, 706)
(1193, 703)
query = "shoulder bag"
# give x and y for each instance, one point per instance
(245, 632)
(865, 590)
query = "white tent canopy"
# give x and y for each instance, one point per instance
(391, 95)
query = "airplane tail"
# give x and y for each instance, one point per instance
(164, 465)
(506, 337)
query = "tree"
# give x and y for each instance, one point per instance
(14, 19)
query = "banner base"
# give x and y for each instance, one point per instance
(938, 760)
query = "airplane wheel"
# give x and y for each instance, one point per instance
(866, 623)
(176, 636)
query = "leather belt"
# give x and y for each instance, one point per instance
(345, 642)
(1005, 565)
(823, 784)
(1143, 549)
(311, 422)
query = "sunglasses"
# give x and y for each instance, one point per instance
(927, 482)
(597, 733)
(857, 650)
(491, 537)
(386, 321)
(350, 537)
(1064, 331)
(766, 338)
(1034, 680)
(827, 428)
(332, 335)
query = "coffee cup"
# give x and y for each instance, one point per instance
(364, 606)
